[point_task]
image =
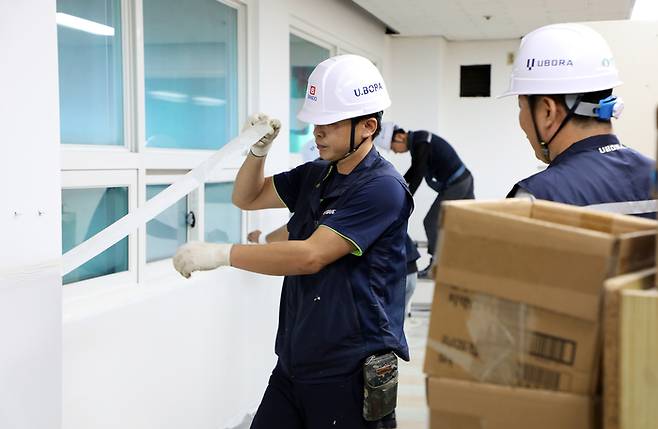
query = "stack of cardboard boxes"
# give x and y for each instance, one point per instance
(515, 330)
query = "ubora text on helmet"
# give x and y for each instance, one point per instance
(369, 89)
(311, 93)
(555, 62)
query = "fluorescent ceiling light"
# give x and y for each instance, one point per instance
(209, 101)
(170, 96)
(85, 25)
(645, 10)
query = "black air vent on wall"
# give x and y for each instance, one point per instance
(475, 81)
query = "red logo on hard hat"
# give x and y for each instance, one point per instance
(311, 90)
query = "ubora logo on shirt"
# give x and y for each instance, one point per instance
(311, 93)
(329, 212)
(611, 148)
(369, 89)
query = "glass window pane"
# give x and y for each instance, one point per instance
(90, 77)
(304, 56)
(223, 219)
(86, 212)
(166, 231)
(190, 64)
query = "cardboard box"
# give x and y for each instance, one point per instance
(549, 255)
(458, 404)
(535, 271)
(474, 336)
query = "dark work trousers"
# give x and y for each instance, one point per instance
(292, 404)
(460, 189)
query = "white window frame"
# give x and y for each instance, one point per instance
(80, 179)
(163, 267)
(99, 166)
(164, 158)
(332, 48)
(314, 34)
(295, 159)
(82, 156)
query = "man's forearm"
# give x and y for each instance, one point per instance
(293, 257)
(279, 234)
(250, 180)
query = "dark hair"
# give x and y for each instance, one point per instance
(589, 97)
(398, 130)
(376, 115)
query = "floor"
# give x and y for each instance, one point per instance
(412, 411)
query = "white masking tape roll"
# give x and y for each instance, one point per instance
(165, 199)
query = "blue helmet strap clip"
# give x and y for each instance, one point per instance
(609, 107)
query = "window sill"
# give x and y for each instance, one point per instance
(95, 297)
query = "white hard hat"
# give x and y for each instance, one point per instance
(310, 151)
(563, 59)
(343, 87)
(385, 136)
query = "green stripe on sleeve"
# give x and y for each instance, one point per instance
(357, 250)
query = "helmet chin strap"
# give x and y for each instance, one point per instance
(353, 147)
(544, 144)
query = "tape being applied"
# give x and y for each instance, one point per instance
(153, 207)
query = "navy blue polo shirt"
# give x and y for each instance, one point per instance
(596, 172)
(329, 322)
(432, 158)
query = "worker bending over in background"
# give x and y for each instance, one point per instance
(436, 160)
(342, 303)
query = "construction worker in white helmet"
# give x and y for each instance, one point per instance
(563, 76)
(342, 303)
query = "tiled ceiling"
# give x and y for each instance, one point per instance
(488, 19)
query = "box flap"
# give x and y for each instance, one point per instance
(507, 407)
(584, 218)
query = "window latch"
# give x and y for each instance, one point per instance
(190, 219)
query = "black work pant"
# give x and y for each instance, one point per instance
(461, 189)
(292, 404)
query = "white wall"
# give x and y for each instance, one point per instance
(414, 79)
(174, 355)
(342, 23)
(485, 131)
(634, 45)
(30, 282)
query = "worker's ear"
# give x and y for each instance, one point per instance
(550, 112)
(369, 128)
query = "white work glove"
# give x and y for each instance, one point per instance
(201, 256)
(261, 147)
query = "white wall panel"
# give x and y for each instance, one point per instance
(30, 282)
